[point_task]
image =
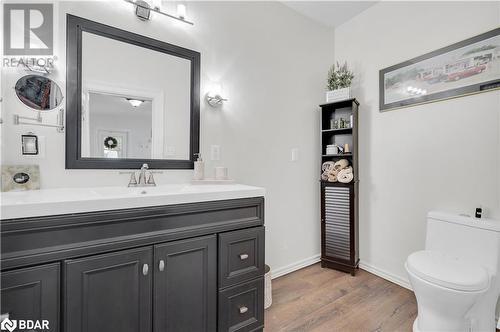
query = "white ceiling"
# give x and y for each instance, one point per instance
(329, 13)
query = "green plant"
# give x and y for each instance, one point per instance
(339, 76)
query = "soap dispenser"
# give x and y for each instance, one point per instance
(199, 168)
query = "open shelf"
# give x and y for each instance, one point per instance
(340, 104)
(343, 155)
(338, 184)
(337, 131)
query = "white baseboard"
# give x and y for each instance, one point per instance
(276, 273)
(403, 282)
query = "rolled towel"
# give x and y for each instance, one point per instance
(332, 177)
(327, 169)
(327, 166)
(341, 164)
(345, 175)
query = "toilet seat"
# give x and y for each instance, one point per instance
(448, 271)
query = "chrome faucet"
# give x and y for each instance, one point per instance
(146, 178)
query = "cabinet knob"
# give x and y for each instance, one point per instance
(161, 265)
(243, 310)
(145, 269)
(243, 256)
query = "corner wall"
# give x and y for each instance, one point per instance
(438, 156)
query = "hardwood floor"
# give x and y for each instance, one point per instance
(316, 299)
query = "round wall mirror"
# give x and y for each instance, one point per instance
(38, 92)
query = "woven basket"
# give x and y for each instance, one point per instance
(268, 293)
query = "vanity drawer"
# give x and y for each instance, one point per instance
(241, 308)
(241, 256)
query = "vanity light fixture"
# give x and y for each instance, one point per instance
(143, 10)
(135, 102)
(181, 11)
(214, 95)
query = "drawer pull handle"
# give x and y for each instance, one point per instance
(243, 310)
(243, 256)
(145, 269)
(161, 265)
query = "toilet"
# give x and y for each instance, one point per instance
(456, 278)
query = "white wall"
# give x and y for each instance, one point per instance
(272, 63)
(442, 155)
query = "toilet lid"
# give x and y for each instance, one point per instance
(447, 271)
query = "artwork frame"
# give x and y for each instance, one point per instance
(468, 67)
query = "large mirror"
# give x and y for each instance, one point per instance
(130, 99)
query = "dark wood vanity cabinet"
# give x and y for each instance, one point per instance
(163, 276)
(185, 285)
(109, 292)
(32, 293)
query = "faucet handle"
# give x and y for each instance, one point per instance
(133, 180)
(151, 179)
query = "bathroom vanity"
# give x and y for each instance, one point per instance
(168, 258)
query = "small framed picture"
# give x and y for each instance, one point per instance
(29, 144)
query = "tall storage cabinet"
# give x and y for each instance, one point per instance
(339, 201)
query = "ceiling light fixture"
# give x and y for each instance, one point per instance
(143, 10)
(135, 102)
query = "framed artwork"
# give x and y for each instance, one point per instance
(467, 67)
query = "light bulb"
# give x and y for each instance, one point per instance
(157, 4)
(215, 89)
(181, 11)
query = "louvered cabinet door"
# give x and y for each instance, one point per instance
(337, 222)
(339, 227)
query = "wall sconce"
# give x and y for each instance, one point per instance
(143, 10)
(214, 95)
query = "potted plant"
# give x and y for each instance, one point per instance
(339, 83)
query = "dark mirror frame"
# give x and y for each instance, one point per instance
(74, 27)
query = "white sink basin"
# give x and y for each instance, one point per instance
(45, 202)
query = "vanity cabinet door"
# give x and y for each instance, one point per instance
(110, 292)
(185, 285)
(31, 294)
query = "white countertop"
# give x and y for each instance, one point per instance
(45, 202)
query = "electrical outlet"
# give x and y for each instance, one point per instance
(295, 154)
(215, 152)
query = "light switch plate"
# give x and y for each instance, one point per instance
(215, 152)
(295, 154)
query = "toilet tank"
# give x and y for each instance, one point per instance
(474, 239)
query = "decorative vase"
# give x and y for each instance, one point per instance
(338, 95)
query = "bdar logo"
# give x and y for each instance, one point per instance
(8, 325)
(28, 29)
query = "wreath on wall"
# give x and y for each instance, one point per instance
(110, 142)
